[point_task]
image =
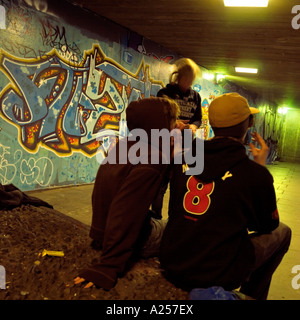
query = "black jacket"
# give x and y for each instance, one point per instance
(206, 241)
(189, 103)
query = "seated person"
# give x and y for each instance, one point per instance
(206, 241)
(125, 187)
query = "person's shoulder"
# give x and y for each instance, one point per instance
(161, 92)
(170, 90)
(257, 171)
(196, 95)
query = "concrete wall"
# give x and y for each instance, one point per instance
(65, 75)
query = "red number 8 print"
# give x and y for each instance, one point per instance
(197, 199)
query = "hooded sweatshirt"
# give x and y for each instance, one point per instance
(189, 102)
(123, 193)
(206, 241)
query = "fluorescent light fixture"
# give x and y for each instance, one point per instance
(246, 3)
(208, 76)
(283, 110)
(220, 77)
(246, 70)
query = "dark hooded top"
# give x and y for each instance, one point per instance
(206, 241)
(189, 102)
(123, 193)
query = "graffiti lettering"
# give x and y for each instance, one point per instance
(56, 38)
(19, 19)
(21, 50)
(36, 171)
(32, 171)
(63, 107)
(17, 48)
(8, 170)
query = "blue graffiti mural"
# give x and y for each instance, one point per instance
(61, 105)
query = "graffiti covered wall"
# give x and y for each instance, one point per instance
(61, 84)
(61, 106)
(57, 90)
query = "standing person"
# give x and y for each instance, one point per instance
(124, 189)
(189, 101)
(206, 242)
(180, 90)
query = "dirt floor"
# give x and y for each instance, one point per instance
(27, 230)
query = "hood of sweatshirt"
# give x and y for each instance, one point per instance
(174, 90)
(147, 114)
(220, 155)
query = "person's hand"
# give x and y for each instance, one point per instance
(182, 124)
(259, 155)
(194, 128)
(79, 280)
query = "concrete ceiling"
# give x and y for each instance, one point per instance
(220, 38)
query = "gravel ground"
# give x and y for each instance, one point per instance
(27, 230)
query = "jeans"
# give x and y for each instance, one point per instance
(269, 251)
(157, 203)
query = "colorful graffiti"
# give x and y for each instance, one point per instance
(62, 106)
(32, 171)
(208, 92)
(64, 86)
(8, 169)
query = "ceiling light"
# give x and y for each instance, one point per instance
(246, 70)
(246, 3)
(208, 76)
(220, 77)
(283, 110)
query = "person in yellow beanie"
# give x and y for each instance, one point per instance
(223, 227)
